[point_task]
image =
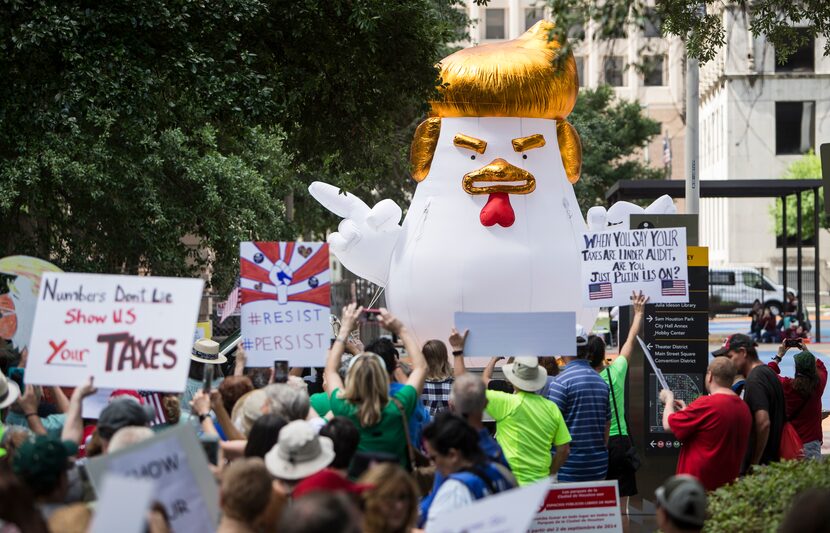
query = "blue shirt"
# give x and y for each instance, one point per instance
(491, 448)
(583, 397)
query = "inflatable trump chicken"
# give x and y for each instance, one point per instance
(494, 225)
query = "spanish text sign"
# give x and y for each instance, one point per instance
(129, 332)
(579, 507)
(615, 263)
(286, 290)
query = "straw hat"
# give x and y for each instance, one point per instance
(207, 351)
(9, 391)
(526, 374)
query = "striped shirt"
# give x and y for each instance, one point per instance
(583, 397)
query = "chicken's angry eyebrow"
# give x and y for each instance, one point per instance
(522, 144)
(470, 143)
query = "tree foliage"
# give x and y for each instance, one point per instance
(127, 126)
(612, 132)
(808, 167)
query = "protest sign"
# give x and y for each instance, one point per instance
(129, 332)
(123, 505)
(92, 405)
(615, 263)
(517, 334)
(579, 507)
(204, 330)
(175, 462)
(507, 512)
(285, 289)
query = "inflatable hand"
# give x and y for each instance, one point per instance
(366, 237)
(617, 216)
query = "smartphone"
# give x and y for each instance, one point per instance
(335, 325)
(16, 375)
(208, 379)
(280, 371)
(792, 343)
(211, 448)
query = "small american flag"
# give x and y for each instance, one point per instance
(666, 150)
(599, 291)
(231, 305)
(153, 399)
(673, 287)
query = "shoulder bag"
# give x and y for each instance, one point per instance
(631, 455)
(421, 468)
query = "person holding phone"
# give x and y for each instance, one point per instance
(802, 394)
(365, 399)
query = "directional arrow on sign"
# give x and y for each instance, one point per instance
(649, 318)
(653, 444)
(649, 346)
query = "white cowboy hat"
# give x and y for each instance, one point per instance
(207, 351)
(526, 374)
(9, 391)
(299, 452)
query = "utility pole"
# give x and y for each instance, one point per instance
(692, 137)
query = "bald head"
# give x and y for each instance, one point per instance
(723, 371)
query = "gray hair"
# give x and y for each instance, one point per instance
(127, 436)
(288, 401)
(468, 395)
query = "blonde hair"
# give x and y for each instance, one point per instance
(525, 77)
(388, 480)
(367, 387)
(438, 365)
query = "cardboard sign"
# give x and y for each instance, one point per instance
(129, 332)
(507, 512)
(615, 263)
(518, 334)
(580, 507)
(123, 505)
(175, 463)
(286, 293)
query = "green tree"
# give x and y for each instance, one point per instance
(807, 167)
(612, 132)
(153, 136)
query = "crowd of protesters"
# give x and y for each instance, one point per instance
(369, 443)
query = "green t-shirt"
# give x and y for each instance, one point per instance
(320, 403)
(387, 435)
(526, 427)
(617, 369)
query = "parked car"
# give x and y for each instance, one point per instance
(736, 289)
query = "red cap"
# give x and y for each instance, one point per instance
(327, 480)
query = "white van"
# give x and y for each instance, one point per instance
(736, 289)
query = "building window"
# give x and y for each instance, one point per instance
(613, 71)
(653, 71)
(533, 15)
(804, 58)
(494, 24)
(652, 23)
(580, 70)
(794, 127)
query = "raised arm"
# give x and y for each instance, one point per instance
(639, 301)
(413, 350)
(457, 341)
(241, 360)
(487, 373)
(73, 427)
(332, 379)
(61, 401)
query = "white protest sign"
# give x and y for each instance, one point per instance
(507, 512)
(123, 505)
(129, 332)
(579, 507)
(175, 462)
(92, 405)
(286, 292)
(615, 263)
(518, 334)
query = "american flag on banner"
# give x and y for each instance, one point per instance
(599, 291)
(673, 287)
(153, 399)
(666, 150)
(231, 305)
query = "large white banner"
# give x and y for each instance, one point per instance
(615, 263)
(176, 465)
(286, 294)
(579, 507)
(129, 332)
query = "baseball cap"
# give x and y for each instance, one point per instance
(581, 336)
(684, 499)
(40, 461)
(733, 342)
(122, 412)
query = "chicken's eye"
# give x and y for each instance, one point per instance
(473, 157)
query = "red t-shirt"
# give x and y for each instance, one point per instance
(807, 422)
(714, 431)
